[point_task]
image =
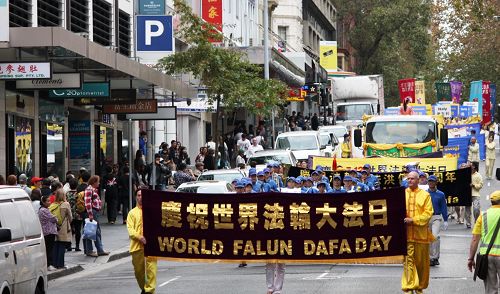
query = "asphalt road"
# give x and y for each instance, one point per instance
(451, 276)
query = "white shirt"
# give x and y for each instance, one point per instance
(210, 145)
(239, 160)
(252, 149)
(243, 144)
(259, 139)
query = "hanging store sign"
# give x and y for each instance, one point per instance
(152, 7)
(140, 106)
(118, 96)
(88, 90)
(58, 81)
(25, 70)
(164, 113)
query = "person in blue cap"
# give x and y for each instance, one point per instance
(234, 182)
(290, 183)
(276, 176)
(349, 184)
(248, 185)
(321, 186)
(308, 186)
(298, 182)
(262, 185)
(371, 179)
(322, 175)
(440, 216)
(272, 184)
(252, 173)
(364, 180)
(240, 187)
(337, 185)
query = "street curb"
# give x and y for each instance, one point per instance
(119, 255)
(66, 272)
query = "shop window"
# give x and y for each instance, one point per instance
(23, 139)
(55, 159)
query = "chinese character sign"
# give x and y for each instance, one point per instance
(443, 91)
(420, 92)
(486, 103)
(493, 99)
(25, 70)
(359, 227)
(456, 91)
(211, 12)
(407, 90)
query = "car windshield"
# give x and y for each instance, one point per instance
(212, 189)
(405, 132)
(307, 142)
(353, 111)
(265, 159)
(228, 177)
(325, 139)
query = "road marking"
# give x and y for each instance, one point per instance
(171, 280)
(455, 235)
(321, 276)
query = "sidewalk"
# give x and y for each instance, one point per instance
(114, 239)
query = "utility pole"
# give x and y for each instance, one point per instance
(266, 57)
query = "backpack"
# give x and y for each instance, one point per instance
(55, 209)
(80, 202)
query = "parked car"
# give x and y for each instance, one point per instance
(305, 143)
(227, 175)
(269, 156)
(211, 187)
(23, 263)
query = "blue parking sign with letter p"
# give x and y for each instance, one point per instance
(155, 33)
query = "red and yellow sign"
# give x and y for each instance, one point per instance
(296, 94)
(211, 12)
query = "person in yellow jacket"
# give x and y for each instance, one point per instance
(418, 214)
(483, 231)
(490, 156)
(145, 268)
(346, 146)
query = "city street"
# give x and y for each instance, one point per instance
(451, 276)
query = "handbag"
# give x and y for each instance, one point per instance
(481, 269)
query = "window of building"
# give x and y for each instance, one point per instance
(79, 16)
(124, 33)
(283, 32)
(20, 13)
(102, 22)
(49, 13)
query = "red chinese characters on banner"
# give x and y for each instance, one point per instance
(211, 12)
(406, 89)
(486, 103)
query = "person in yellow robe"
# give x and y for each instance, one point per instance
(346, 146)
(418, 214)
(145, 268)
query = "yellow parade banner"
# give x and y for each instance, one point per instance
(386, 164)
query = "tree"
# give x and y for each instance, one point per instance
(467, 38)
(390, 37)
(231, 80)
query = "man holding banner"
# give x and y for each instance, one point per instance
(418, 214)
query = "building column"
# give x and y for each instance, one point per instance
(3, 134)
(35, 147)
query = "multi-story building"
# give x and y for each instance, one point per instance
(300, 26)
(93, 39)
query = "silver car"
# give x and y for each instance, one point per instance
(210, 187)
(227, 175)
(270, 156)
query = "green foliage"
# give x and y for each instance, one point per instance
(390, 37)
(227, 73)
(467, 39)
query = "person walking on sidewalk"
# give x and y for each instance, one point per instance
(483, 231)
(440, 216)
(145, 268)
(93, 206)
(63, 238)
(76, 223)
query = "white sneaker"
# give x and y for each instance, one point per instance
(51, 268)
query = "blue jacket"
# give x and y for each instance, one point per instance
(439, 203)
(310, 190)
(340, 190)
(272, 185)
(373, 180)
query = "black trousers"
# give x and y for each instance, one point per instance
(49, 248)
(112, 208)
(76, 225)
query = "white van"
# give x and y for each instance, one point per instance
(305, 143)
(23, 263)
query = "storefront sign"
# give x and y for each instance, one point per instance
(296, 94)
(88, 90)
(286, 227)
(152, 7)
(118, 96)
(140, 106)
(58, 81)
(25, 70)
(79, 144)
(164, 113)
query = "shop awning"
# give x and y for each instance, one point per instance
(65, 48)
